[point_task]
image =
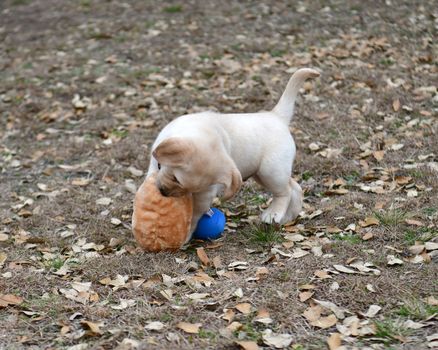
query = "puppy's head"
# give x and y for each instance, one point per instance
(187, 166)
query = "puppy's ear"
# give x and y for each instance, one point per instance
(232, 180)
(174, 151)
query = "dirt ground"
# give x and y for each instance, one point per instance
(85, 87)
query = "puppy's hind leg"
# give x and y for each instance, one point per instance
(296, 202)
(282, 190)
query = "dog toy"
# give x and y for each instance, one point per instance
(158, 222)
(210, 225)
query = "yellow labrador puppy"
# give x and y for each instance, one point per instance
(208, 154)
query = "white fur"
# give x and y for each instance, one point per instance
(259, 144)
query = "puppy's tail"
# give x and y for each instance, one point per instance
(285, 106)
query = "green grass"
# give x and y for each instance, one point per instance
(391, 218)
(306, 175)
(206, 334)
(422, 234)
(173, 9)
(277, 53)
(350, 238)
(388, 330)
(248, 332)
(264, 234)
(429, 211)
(119, 133)
(417, 310)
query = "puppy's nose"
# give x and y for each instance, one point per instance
(163, 191)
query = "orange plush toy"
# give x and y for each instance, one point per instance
(158, 222)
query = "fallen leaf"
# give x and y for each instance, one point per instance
(378, 155)
(414, 222)
(370, 221)
(244, 308)
(94, 327)
(202, 255)
(372, 311)
(392, 260)
(192, 328)
(104, 201)
(396, 105)
(339, 312)
(305, 296)
(248, 345)
(278, 341)
(154, 326)
(367, 236)
(9, 299)
(325, 322)
(334, 341)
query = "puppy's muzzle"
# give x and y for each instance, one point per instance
(164, 192)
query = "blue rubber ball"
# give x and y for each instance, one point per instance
(210, 225)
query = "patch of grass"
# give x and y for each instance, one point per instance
(248, 332)
(352, 178)
(20, 2)
(277, 53)
(429, 211)
(119, 133)
(386, 61)
(306, 175)
(264, 234)
(417, 309)
(173, 9)
(389, 330)
(257, 199)
(423, 234)
(85, 3)
(206, 334)
(391, 218)
(350, 238)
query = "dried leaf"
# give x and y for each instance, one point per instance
(94, 327)
(9, 299)
(248, 345)
(370, 221)
(154, 326)
(334, 341)
(244, 308)
(305, 296)
(392, 260)
(325, 322)
(396, 105)
(278, 341)
(202, 255)
(372, 311)
(192, 328)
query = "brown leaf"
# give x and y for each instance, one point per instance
(370, 221)
(94, 327)
(9, 299)
(202, 255)
(192, 328)
(414, 222)
(325, 322)
(378, 155)
(248, 345)
(244, 308)
(305, 296)
(396, 105)
(367, 236)
(229, 315)
(334, 341)
(217, 262)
